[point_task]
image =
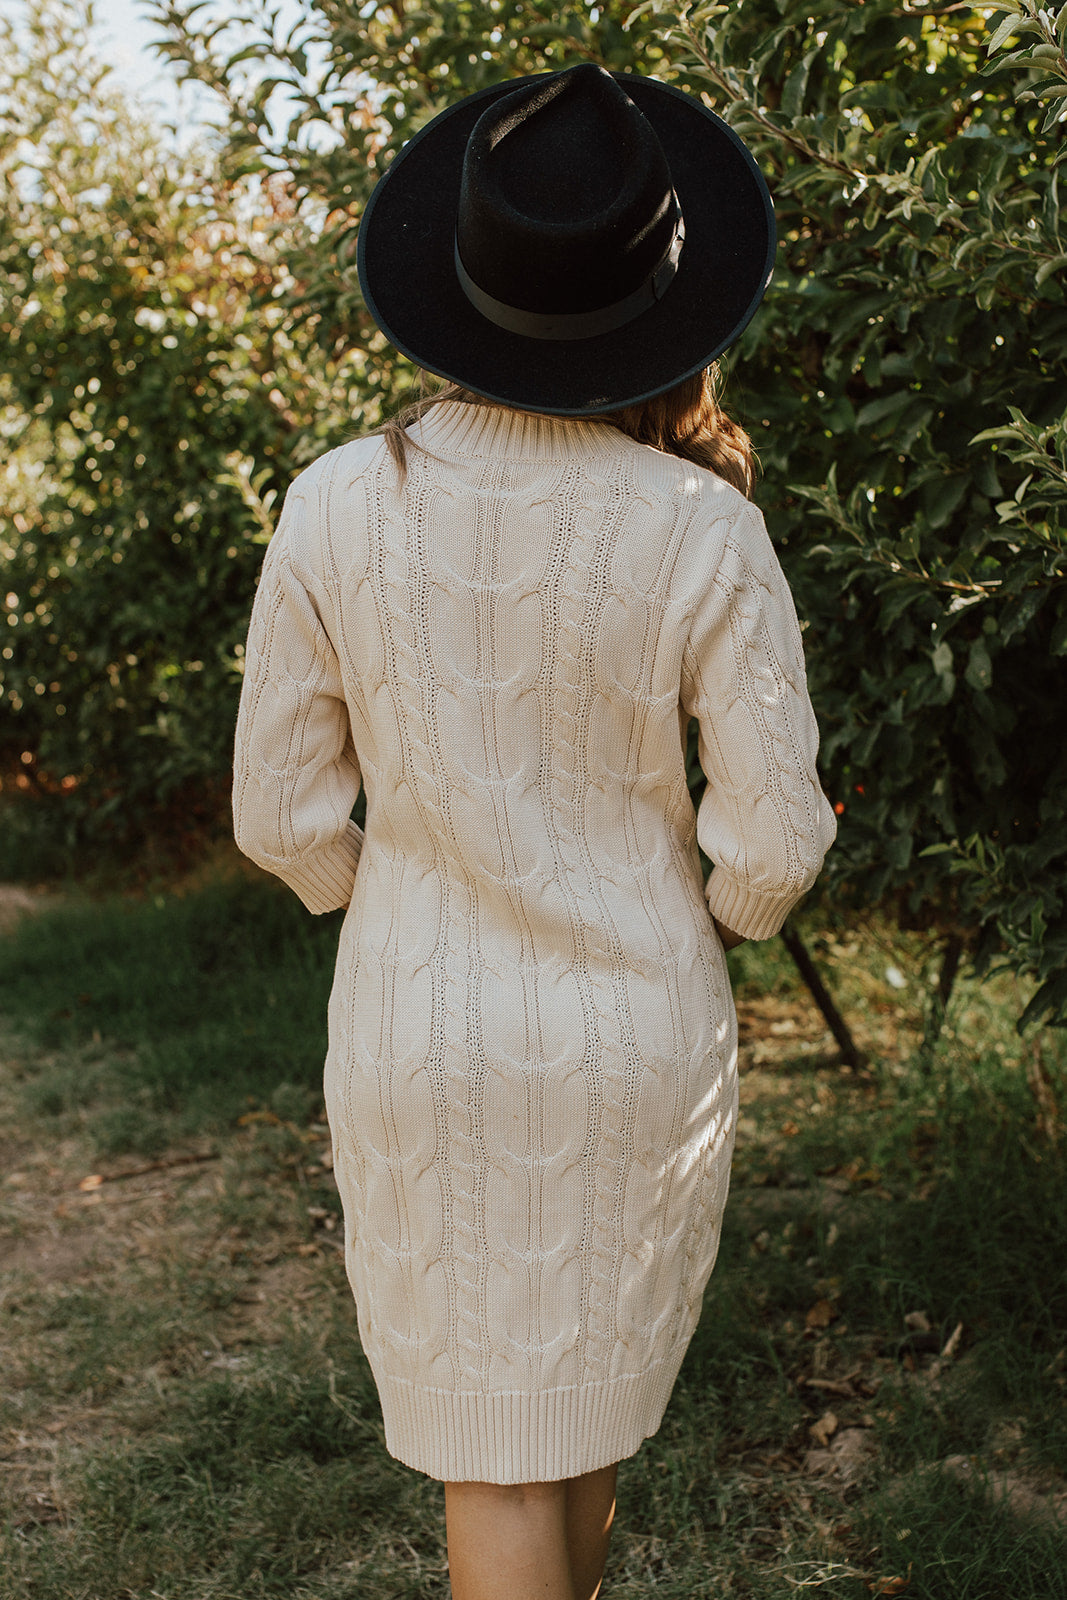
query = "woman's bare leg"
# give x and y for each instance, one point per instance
(590, 1513)
(508, 1541)
(530, 1541)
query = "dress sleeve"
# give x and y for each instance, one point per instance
(296, 776)
(763, 821)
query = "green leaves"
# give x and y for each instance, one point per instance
(1015, 24)
(979, 674)
(1055, 263)
(1046, 57)
(152, 405)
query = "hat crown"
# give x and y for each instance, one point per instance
(566, 201)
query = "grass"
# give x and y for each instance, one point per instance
(173, 1014)
(187, 1413)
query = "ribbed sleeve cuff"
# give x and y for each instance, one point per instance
(324, 879)
(747, 911)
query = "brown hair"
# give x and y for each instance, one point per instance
(686, 421)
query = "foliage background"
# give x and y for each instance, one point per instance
(181, 334)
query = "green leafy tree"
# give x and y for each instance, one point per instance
(149, 414)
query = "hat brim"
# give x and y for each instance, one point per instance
(408, 276)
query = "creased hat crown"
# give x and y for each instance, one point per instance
(566, 201)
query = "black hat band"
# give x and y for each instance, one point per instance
(577, 324)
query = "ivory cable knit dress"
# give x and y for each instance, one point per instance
(531, 1079)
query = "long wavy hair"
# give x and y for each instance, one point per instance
(686, 421)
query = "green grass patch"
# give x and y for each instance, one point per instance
(188, 1412)
(247, 1485)
(180, 1011)
(947, 1537)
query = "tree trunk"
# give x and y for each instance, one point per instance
(850, 1054)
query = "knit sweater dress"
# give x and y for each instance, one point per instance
(531, 1077)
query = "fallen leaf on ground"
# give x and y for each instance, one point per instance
(890, 1585)
(847, 1458)
(831, 1386)
(952, 1342)
(94, 1181)
(823, 1430)
(821, 1315)
(917, 1321)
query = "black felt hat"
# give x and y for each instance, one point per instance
(570, 243)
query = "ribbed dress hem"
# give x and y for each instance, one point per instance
(521, 1437)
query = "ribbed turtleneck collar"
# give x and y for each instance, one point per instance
(457, 428)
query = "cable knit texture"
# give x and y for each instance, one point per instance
(531, 1079)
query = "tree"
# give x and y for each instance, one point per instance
(149, 415)
(180, 334)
